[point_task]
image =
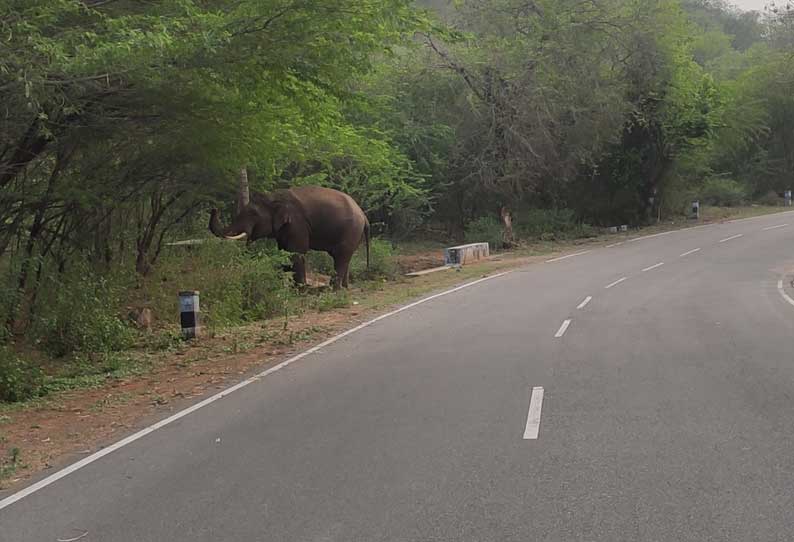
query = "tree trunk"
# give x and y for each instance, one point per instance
(17, 321)
(508, 239)
(243, 196)
(31, 145)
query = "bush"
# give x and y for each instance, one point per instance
(19, 379)
(485, 229)
(237, 283)
(333, 300)
(382, 264)
(320, 262)
(265, 288)
(551, 224)
(771, 199)
(722, 193)
(80, 314)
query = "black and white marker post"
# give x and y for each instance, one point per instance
(189, 314)
(695, 210)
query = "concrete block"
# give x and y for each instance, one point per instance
(464, 254)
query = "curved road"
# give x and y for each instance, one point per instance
(662, 411)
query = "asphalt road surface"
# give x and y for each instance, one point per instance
(662, 411)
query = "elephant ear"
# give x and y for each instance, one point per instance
(282, 217)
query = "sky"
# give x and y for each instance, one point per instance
(747, 5)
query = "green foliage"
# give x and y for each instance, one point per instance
(236, 283)
(329, 301)
(320, 262)
(79, 312)
(382, 263)
(722, 192)
(771, 199)
(264, 285)
(485, 229)
(19, 379)
(10, 463)
(549, 224)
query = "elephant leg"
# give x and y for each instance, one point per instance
(342, 268)
(299, 268)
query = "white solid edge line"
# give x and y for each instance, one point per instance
(533, 415)
(654, 235)
(757, 217)
(11, 499)
(563, 329)
(783, 292)
(731, 238)
(690, 252)
(775, 227)
(608, 286)
(584, 303)
(651, 268)
(614, 245)
(568, 256)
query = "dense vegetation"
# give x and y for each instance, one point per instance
(122, 122)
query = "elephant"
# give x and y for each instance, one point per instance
(301, 219)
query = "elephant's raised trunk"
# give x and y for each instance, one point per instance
(220, 231)
(215, 223)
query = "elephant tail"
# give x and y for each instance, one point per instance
(366, 240)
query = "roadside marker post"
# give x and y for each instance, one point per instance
(189, 314)
(695, 210)
(787, 197)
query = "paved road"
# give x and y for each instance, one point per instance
(667, 414)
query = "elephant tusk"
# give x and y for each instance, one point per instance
(237, 237)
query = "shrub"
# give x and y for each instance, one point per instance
(265, 290)
(320, 262)
(333, 300)
(484, 229)
(551, 224)
(238, 283)
(770, 198)
(19, 379)
(79, 313)
(381, 260)
(722, 193)
(382, 264)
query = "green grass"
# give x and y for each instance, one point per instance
(736, 213)
(10, 464)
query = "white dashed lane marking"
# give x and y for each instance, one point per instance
(731, 238)
(563, 329)
(690, 252)
(783, 293)
(533, 416)
(651, 268)
(608, 286)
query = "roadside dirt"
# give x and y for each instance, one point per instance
(410, 263)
